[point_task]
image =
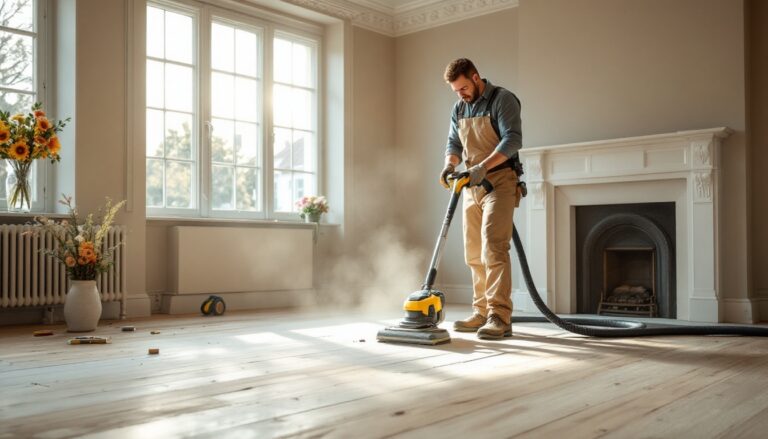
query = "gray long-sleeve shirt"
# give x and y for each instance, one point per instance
(505, 118)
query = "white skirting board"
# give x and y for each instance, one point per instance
(190, 303)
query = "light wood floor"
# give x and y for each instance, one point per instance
(319, 375)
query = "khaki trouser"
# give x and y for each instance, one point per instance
(487, 233)
(488, 223)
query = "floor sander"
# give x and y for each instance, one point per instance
(424, 309)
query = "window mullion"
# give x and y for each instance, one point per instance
(204, 66)
(269, 129)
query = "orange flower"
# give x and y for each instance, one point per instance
(82, 261)
(39, 113)
(70, 261)
(5, 133)
(54, 145)
(19, 151)
(43, 124)
(87, 253)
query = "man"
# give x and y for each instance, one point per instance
(486, 133)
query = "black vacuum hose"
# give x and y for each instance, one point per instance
(617, 328)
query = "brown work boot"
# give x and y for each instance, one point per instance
(470, 324)
(495, 329)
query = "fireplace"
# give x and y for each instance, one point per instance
(678, 173)
(627, 259)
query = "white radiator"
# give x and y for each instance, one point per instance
(237, 259)
(30, 278)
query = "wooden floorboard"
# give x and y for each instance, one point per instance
(314, 374)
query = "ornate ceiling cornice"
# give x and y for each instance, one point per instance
(413, 17)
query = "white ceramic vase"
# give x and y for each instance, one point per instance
(82, 309)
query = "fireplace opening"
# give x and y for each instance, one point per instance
(629, 282)
(626, 260)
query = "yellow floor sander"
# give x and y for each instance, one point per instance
(424, 308)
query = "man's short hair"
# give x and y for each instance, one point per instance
(459, 67)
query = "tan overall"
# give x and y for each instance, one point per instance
(488, 223)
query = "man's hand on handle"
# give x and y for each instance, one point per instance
(447, 170)
(477, 174)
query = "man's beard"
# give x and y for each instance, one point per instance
(474, 96)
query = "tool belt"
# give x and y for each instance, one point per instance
(517, 166)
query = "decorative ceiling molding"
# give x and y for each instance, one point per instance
(411, 17)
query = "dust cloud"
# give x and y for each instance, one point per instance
(377, 275)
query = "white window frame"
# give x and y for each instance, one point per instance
(252, 20)
(315, 45)
(184, 8)
(40, 61)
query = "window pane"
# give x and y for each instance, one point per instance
(178, 88)
(178, 183)
(303, 151)
(17, 14)
(16, 102)
(248, 189)
(247, 53)
(155, 84)
(16, 61)
(155, 32)
(282, 59)
(155, 133)
(222, 95)
(222, 47)
(282, 97)
(178, 135)
(154, 183)
(178, 37)
(222, 187)
(246, 99)
(222, 141)
(303, 184)
(284, 201)
(247, 143)
(282, 148)
(302, 109)
(302, 65)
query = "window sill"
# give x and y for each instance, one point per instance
(234, 221)
(31, 215)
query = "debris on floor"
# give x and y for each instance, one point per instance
(89, 339)
(128, 328)
(154, 351)
(154, 332)
(42, 333)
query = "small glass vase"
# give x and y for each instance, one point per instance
(17, 188)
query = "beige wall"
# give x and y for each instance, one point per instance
(598, 69)
(101, 137)
(373, 137)
(757, 99)
(423, 108)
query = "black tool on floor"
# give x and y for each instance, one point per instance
(424, 308)
(213, 306)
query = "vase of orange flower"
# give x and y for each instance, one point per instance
(82, 250)
(25, 138)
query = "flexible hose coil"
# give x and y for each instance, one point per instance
(617, 328)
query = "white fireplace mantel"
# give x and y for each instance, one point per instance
(681, 167)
